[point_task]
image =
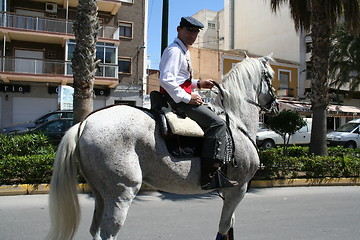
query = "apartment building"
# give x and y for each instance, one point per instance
(217, 49)
(37, 48)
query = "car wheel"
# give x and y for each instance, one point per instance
(268, 143)
(350, 145)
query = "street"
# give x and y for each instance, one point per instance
(302, 213)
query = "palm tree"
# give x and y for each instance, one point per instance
(319, 18)
(344, 59)
(84, 62)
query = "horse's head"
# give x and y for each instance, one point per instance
(266, 97)
(248, 81)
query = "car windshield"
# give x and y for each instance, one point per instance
(348, 127)
(262, 127)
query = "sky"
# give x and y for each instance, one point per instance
(177, 9)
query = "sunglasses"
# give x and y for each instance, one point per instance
(193, 30)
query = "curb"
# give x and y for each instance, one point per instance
(28, 189)
(305, 182)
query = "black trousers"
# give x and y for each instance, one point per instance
(213, 126)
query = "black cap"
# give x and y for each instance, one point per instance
(190, 22)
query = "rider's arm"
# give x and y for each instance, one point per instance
(170, 67)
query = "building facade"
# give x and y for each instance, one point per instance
(37, 48)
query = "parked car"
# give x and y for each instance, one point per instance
(268, 138)
(37, 122)
(348, 135)
(54, 129)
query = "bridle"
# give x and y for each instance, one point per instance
(266, 79)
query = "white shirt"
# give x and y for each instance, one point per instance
(175, 67)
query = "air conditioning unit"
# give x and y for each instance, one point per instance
(51, 7)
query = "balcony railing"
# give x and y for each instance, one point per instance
(46, 67)
(52, 25)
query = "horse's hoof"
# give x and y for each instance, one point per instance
(220, 237)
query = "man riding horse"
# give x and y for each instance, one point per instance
(176, 81)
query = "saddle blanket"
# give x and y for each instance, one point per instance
(182, 126)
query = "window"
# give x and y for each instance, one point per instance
(124, 65)
(125, 29)
(105, 52)
(284, 78)
(211, 24)
(308, 71)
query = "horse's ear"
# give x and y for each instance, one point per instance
(246, 56)
(268, 58)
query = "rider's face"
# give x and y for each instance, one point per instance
(188, 34)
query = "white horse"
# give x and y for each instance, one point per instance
(120, 147)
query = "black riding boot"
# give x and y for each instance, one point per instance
(212, 177)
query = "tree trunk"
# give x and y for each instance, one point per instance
(320, 34)
(318, 132)
(84, 62)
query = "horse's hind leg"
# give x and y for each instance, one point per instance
(122, 185)
(98, 213)
(115, 210)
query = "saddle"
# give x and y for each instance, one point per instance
(181, 143)
(183, 136)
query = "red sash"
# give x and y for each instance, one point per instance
(186, 86)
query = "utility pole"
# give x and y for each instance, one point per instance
(165, 25)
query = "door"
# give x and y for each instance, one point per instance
(29, 61)
(30, 108)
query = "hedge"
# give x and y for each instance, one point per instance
(30, 169)
(341, 162)
(28, 159)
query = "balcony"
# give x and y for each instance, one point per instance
(111, 6)
(13, 26)
(26, 69)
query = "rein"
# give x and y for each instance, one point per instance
(238, 127)
(265, 78)
(227, 118)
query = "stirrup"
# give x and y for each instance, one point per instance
(219, 180)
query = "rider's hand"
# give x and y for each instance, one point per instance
(195, 99)
(206, 83)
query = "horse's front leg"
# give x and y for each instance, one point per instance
(228, 236)
(232, 196)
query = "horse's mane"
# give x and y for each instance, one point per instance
(240, 84)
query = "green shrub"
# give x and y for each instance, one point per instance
(341, 162)
(25, 159)
(27, 144)
(30, 169)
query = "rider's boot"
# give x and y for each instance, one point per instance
(213, 178)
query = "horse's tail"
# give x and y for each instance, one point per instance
(63, 200)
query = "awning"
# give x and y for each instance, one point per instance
(332, 110)
(340, 110)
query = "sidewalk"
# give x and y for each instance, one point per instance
(25, 189)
